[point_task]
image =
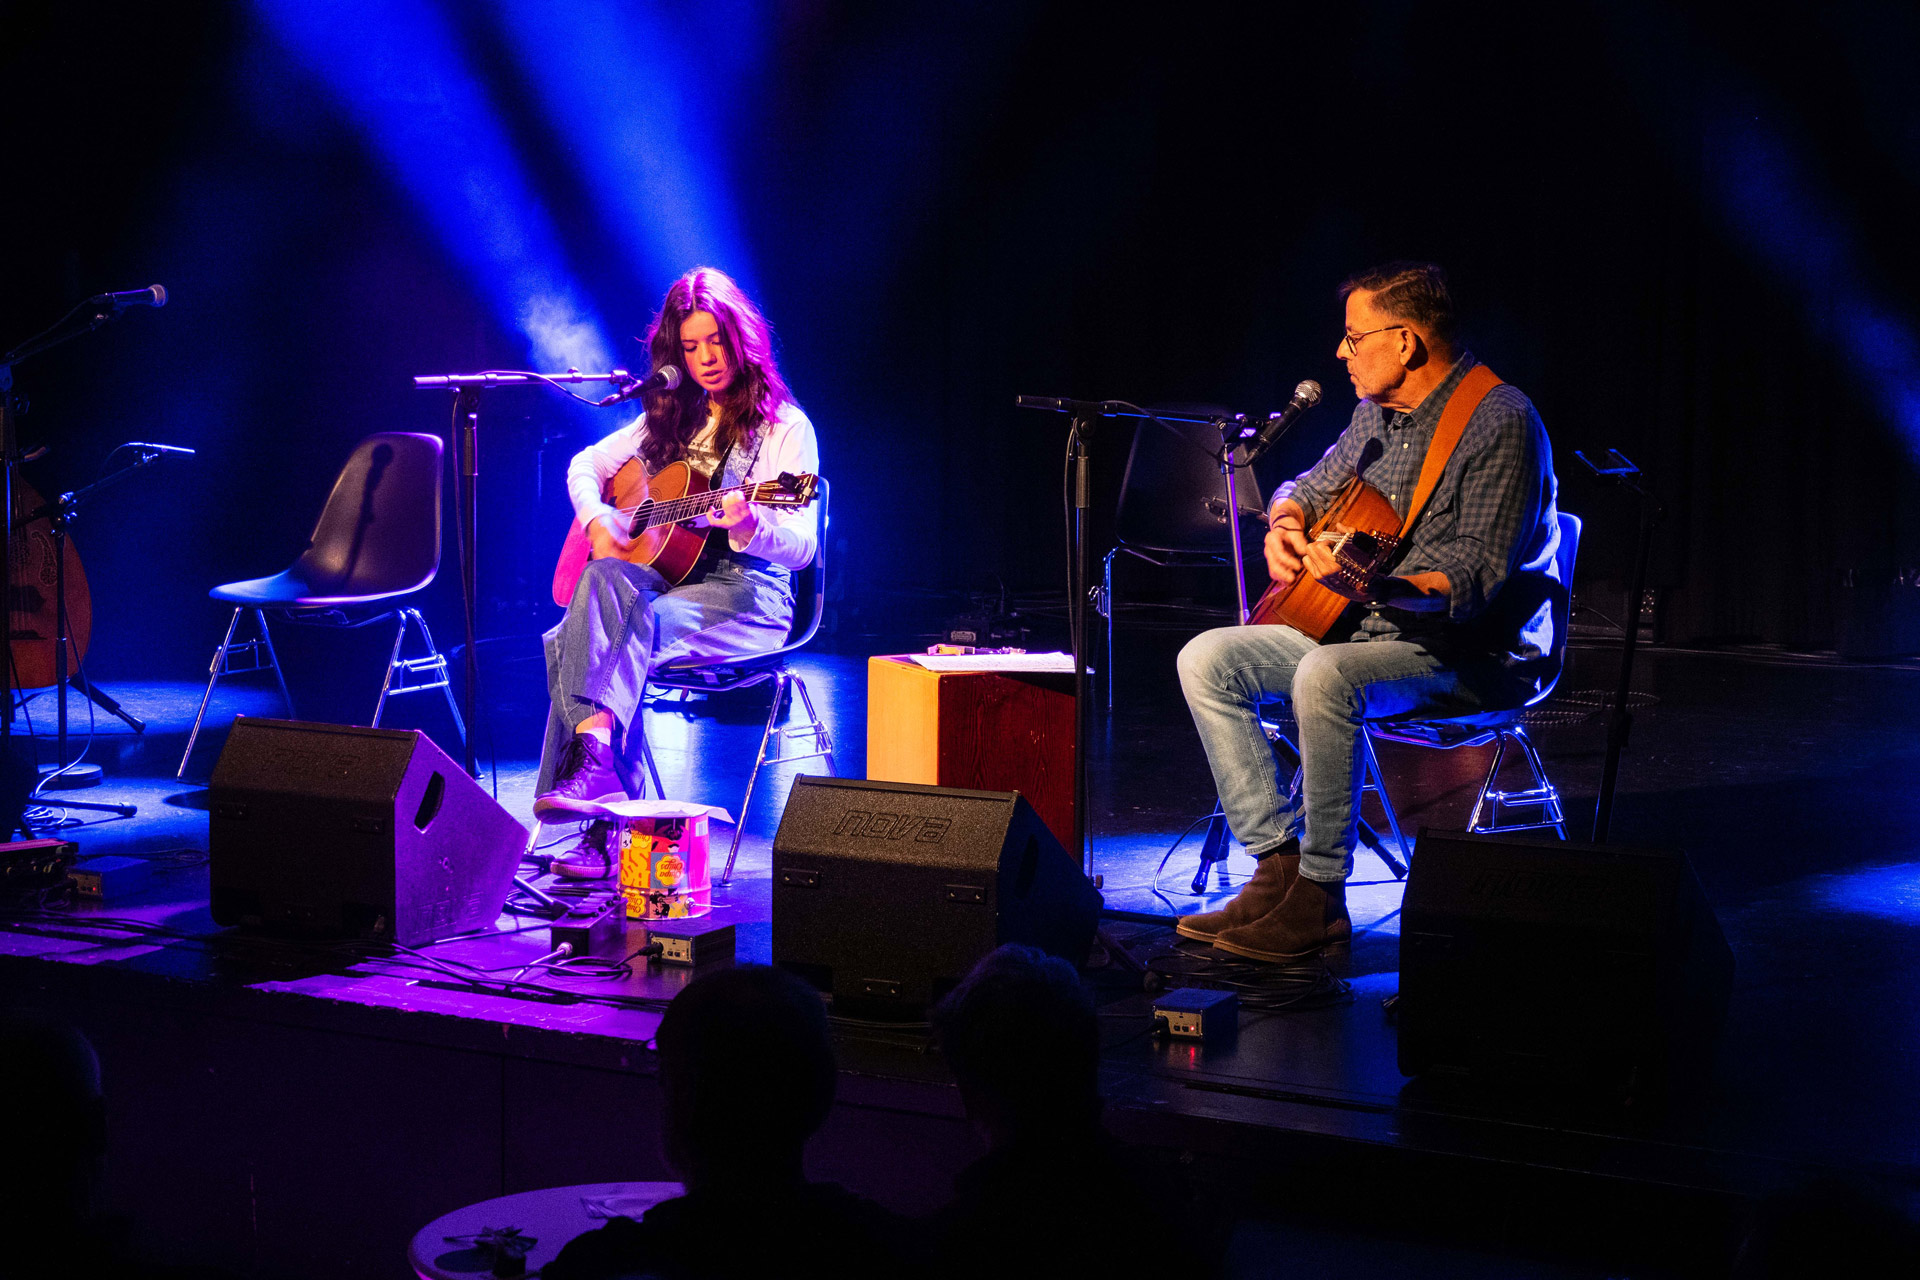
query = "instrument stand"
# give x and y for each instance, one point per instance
(1620, 470)
(97, 311)
(60, 775)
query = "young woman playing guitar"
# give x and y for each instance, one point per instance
(732, 419)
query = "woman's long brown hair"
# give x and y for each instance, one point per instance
(748, 402)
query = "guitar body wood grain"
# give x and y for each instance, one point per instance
(672, 549)
(1304, 604)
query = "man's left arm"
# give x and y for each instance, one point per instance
(1496, 506)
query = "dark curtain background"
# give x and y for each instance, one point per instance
(1685, 233)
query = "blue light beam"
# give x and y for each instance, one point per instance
(393, 66)
(645, 123)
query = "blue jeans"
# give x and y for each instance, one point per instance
(1333, 689)
(624, 620)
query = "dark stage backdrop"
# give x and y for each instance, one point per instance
(1684, 233)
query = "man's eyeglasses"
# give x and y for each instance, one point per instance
(1351, 341)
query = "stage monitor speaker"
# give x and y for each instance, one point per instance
(886, 893)
(334, 831)
(1594, 970)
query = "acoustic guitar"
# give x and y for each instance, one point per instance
(1361, 527)
(657, 507)
(33, 607)
(1363, 531)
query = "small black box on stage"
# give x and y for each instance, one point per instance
(695, 942)
(886, 893)
(1198, 1013)
(597, 927)
(1593, 969)
(327, 830)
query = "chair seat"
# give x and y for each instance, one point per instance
(1463, 731)
(289, 589)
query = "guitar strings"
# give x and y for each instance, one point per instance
(687, 506)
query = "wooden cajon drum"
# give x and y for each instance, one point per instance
(981, 730)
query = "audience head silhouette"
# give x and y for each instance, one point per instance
(55, 1135)
(748, 1072)
(1022, 1039)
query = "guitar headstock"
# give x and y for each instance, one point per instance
(789, 490)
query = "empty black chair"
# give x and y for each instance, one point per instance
(1173, 505)
(377, 538)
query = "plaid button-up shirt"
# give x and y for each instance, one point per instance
(1491, 525)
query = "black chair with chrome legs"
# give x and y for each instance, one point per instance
(1539, 799)
(377, 539)
(725, 675)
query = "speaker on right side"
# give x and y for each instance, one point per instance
(1596, 970)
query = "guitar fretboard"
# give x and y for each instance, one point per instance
(689, 505)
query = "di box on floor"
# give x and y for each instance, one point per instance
(886, 893)
(326, 830)
(1590, 968)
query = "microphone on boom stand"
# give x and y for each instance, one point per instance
(1305, 396)
(154, 295)
(665, 378)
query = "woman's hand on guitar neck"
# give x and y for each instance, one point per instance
(1286, 543)
(737, 518)
(607, 538)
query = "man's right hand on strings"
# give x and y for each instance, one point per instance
(606, 538)
(1286, 543)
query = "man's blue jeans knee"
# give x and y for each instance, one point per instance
(1333, 690)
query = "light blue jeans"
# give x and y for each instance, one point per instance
(624, 620)
(1228, 673)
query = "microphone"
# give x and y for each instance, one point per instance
(144, 447)
(154, 295)
(1305, 396)
(665, 378)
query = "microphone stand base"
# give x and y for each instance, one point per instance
(75, 777)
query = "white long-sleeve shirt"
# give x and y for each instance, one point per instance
(786, 536)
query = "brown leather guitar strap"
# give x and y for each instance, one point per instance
(1453, 424)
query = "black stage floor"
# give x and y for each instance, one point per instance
(1788, 781)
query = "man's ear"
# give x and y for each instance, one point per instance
(1414, 351)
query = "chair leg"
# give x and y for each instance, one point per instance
(433, 650)
(273, 660)
(1474, 824)
(1379, 786)
(219, 667)
(393, 661)
(1542, 792)
(214, 669)
(823, 738)
(403, 671)
(740, 819)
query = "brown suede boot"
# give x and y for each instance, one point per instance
(1311, 920)
(1259, 895)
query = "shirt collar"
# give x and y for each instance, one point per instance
(1426, 415)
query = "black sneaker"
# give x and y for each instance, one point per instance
(589, 859)
(585, 777)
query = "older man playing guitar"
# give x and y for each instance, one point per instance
(1445, 613)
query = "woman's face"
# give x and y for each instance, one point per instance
(705, 352)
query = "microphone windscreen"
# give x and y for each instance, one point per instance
(670, 377)
(1307, 392)
(159, 292)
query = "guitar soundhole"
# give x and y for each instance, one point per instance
(640, 517)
